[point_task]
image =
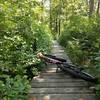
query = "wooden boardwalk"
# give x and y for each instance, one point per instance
(52, 85)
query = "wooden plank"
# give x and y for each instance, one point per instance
(77, 90)
(58, 80)
(58, 85)
(62, 97)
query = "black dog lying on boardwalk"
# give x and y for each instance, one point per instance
(66, 67)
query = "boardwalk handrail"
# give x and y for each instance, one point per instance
(66, 67)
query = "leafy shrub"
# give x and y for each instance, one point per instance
(98, 91)
(18, 63)
(14, 88)
(81, 38)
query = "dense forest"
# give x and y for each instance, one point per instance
(29, 26)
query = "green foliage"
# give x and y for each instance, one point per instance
(82, 42)
(81, 38)
(83, 47)
(98, 91)
(14, 88)
(19, 28)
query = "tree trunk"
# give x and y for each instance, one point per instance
(56, 25)
(59, 26)
(91, 7)
(51, 15)
(98, 7)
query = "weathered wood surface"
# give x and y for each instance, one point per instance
(52, 85)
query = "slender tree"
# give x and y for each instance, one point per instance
(98, 7)
(91, 7)
(51, 15)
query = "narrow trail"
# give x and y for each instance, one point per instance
(52, 85)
